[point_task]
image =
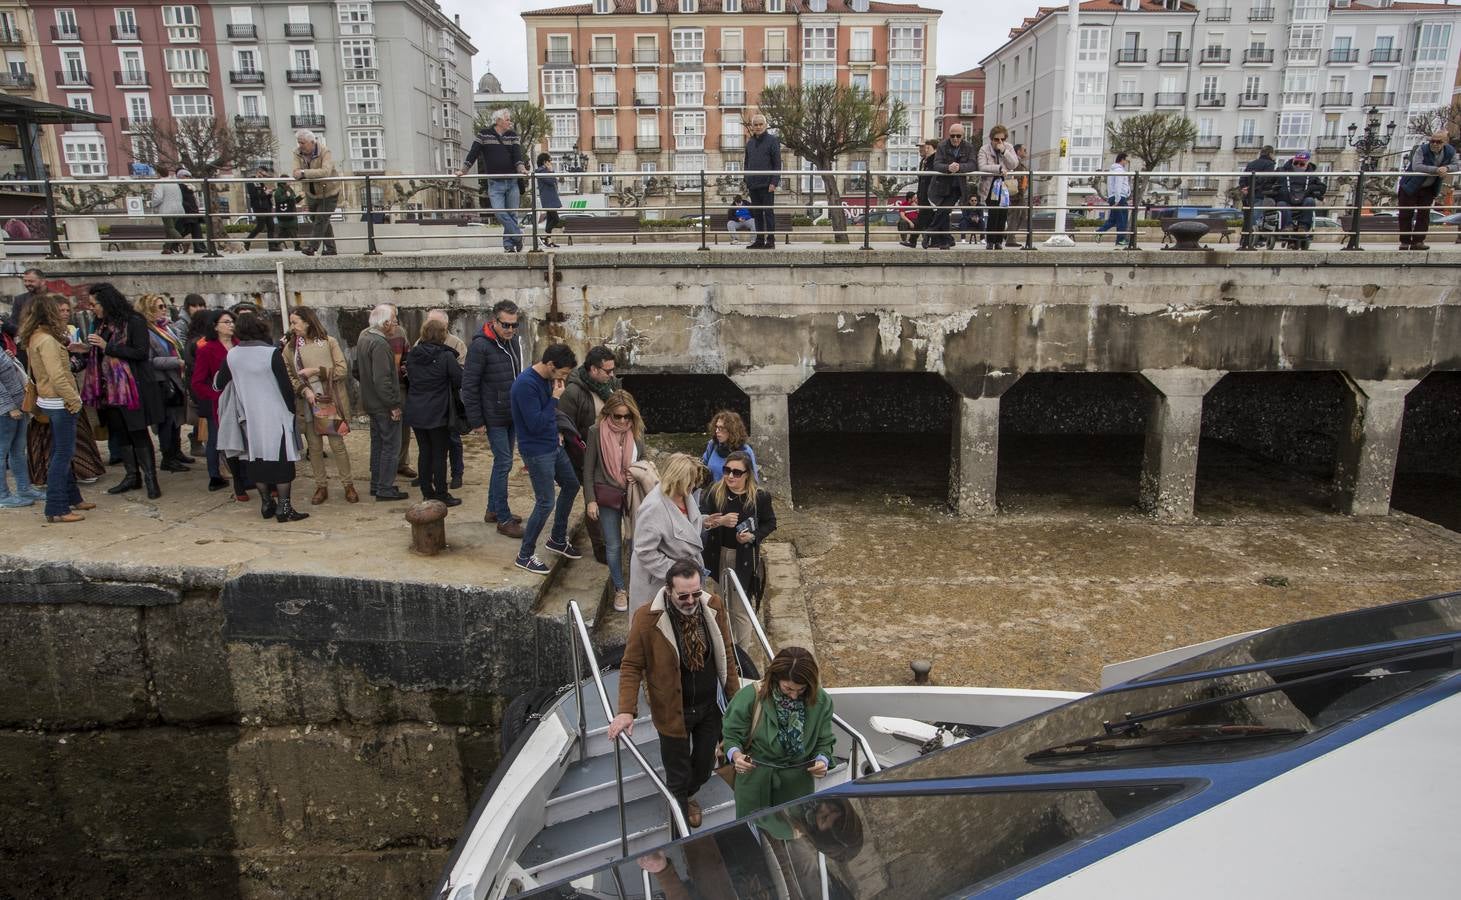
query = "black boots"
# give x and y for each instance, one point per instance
(149, 475)
(174, 462)
(267, 506)
(287, 512)
(130, 481)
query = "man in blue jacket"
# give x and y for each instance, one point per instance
(494, 361)
(534, 400)
(763, 176)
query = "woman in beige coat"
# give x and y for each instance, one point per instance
(317, 371)
(996, 159)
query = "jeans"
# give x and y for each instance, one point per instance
(431, 451)
(503, 194)
(763, 213)
(1117, 218)
(501, 439)
(385, 452)
(1304, 217)
(321, 208)
(61, 490)
(612, 523)
(458, 467)
(13, 454)
(544, 471)
(210, 448)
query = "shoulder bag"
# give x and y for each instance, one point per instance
(727, 770)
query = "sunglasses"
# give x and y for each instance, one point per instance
(502, 324)
(621, 418)
(956, 137)
(686, 598)
(734, 473)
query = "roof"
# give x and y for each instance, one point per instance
(22, 110)
(672, 7)
(1101, 6)
(967, 74)
(1396, 7)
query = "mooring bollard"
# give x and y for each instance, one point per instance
(428, 527)
(921, 668)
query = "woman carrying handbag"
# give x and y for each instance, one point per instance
(613, 445)
(317, 371)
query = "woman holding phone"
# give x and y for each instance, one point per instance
(738, 517)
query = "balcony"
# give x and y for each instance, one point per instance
(733, 142)
(1129, 101)
(1202, 185)
(363, 120)
(1207, 143)
(135, 123)
(251, 122)
(302, 76)
(863, 55)
(557, 57)
(72, 78)
(1336, 98)
(1170, 98)
(646, 57)
(243, 32)
(606, 143)
(1170, 55)
(245, 76)
(1248, 142)
(1257, 56)
(1260, 14)
(23, 81)
(1252, 101)
(603, 57)
(776, 57)
(1215, 56)
(1130, 56)
(1225, 14)
(1331, 143)
(1342, 56)
(299, 31)
(1387, 55)
(313, 122)
(690, 141)
(1379, 98)
(731, 98)
(131, 78)
(646, 98)
(1212, 101)
(361, 73)
(12, 37)
(1302, 56)
(646, 142)
(129, 35)
(72, 35)
(605, 98)
(733, 56)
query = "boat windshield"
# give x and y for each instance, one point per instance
(1202, 720)
(905, 847)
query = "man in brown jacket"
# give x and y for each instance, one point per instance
(673, 644)
(313, 162)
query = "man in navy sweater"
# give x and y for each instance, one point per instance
(534, 399)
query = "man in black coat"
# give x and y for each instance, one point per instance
(950, 189)
(1264, 163)
(763, 177)
(1294, 186)
(261, 204)
(494, 360)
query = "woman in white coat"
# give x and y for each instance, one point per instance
(667, 529)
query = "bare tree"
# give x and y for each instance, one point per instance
(1156, 138)
(1444, 118)
(822, 122)
(204, 145)
(79, 199)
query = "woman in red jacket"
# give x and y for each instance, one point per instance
(208, 357)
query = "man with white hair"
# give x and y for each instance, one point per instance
(313, 163)
(380, 397)
(1430, 163)
(459, 347)
(498, 153)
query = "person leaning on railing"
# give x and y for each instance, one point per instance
(1429, 164)
(497, 151)
(954, 161)
(313, 165)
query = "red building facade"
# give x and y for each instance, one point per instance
(959, 99)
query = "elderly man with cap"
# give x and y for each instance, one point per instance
(1429, 164)
(1295, 185)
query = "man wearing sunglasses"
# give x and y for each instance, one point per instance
(955, 160)
(1430, 163)
(494, 360)
(679, 649)
(583, 397)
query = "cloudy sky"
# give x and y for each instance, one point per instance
(968, 31)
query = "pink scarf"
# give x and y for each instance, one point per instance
(616, 448)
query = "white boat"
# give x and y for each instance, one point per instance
(1311, 757)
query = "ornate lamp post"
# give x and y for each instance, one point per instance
(1369, 145)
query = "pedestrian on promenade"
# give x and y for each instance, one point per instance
(1430, 164)
(257, 416)
(739, 219)
(954, 161)
(494, 361)
(1019, 214)
(119, 385)
(33, 285)
(190, 223)
(167, 370)
(498, 153)
(1294, 187)
(1118, 195)
(43, 331)
(548, 198)
(431, 400)
(588, 388)
(317, 374)
(286, 215)
(678, 649)
(727, 434)
(14, 426)
(261, 204)
(1264, 163)
(208, 356)
(778, 737)
(453, 435)
(667, 528)
(613, 444)
(86, 462)
(167, 201)
(924, 220)
(381, 398)
(313, 164)
(762, 178)
(738, 519)
(534, 398)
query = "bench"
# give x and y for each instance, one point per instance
(600, 225)
(1216, 225)
(126, 233)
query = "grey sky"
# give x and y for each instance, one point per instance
(968, 31)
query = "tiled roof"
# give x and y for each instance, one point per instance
(672, 7)
(977, 71)
(1100, 6)
(1401, 7)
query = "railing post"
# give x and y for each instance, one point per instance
(1131, 216)
(51, 222)
(1359, 207)
(533, 203)
(208, 221)
(703, 245)
(1246, 242)
(1029, 211)
(867, 209)
(577, 686)
(370, 248)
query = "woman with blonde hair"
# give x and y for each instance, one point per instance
(613, 444)
(45, 336)
(167, 372)
(727, 434)
(317, 370)
(738, 518)
(667, 528)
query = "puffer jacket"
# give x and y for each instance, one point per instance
(492, 366)
(1293, 185)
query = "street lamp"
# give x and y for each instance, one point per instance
(1370, 145)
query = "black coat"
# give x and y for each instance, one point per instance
(492, 367)
(925, 168)
(763, 154)
(749, 566)
(947, 187)
(436, 376)
(134, 345)
(260, 200)
(1293, 185)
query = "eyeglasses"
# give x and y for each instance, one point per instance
(502, 324)
(956, 137)
(734, 473)
(617, 417)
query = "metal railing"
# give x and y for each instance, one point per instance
(1257, 56)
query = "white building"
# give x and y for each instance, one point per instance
(1292, 74)
(490, 96)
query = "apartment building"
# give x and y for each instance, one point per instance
(668, 85)
(959, 100)
(23, 74)
(387, 82)
(1293, 74)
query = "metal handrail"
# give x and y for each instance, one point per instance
(858, 741)
(579, 630)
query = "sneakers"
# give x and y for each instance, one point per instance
(531, 564)
(15, 501)
(621, 601)
(565, 549)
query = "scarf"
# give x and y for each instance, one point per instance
(602, 390)
(693, 646)
(109, 381)
(316, 382)
(791, 723)
(616, 448)
(160, 329)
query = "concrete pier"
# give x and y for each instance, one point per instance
(1364, 472)
(1174, 428)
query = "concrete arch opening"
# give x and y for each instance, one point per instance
(681, 404)
(887, 430)
(1071, 440)
(1428, 466)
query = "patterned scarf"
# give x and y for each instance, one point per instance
(791, 723)
(108, 380)
(691, 629)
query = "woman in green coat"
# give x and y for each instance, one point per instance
(778, 736)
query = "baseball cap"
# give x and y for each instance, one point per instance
(1302, 154)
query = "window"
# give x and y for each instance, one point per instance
(1252, 85)
(689, 130)
(862, 81)
(775, 77)
(304, 59)
(1085, 163)
(775, 6)
(1086, 134)
(688, 45)
(66, 27)
(1435, 41)
(733, 86)
(187, 67)
(139, 108)
(732, 129)
(903, 160)
(1209, 85)
(560, 87)
(1298, 88)
(367, 151)
(647, 127)
(905, 42)
(819, 73)
(251, 105)
(905, 83)
(181, 22)
(190, 105)
(1294, 129)
(646, 6)
(966, 102)
(688, 167)
(819, 43)
(1342, 42)
(362, 104)
(730, 6)
(1310, 10)
(246, 60)
(126, 24)
(603, 6)
(133, 71)
(1205, 127)
(1425, 87)
(603, 126)
(79, 101)
(86, 154)
(1304, 43)
(689, 6)
(357, 54)
(1090, 89)
(564, 128)
(1093, 45)
(689, 88)
(1385, 42)
(1248, 128)
(307, 104)
(355, 14)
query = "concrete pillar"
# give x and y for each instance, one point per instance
(974, 454)
(1173, 429)
(769, 388)
(1364, 471)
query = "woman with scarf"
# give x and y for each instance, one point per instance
(208, 355)
(119, 385)
(317, 370)
(86, 462)
(738, 518)
(613, 444)
(727, 433)
(778, 736)
(167, 371)
(256, 416)
(44, 333)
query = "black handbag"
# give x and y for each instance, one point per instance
(456, 415)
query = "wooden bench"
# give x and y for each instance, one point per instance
(601, 225)
(127, 233)
(1371, 226)
(1216, 225)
